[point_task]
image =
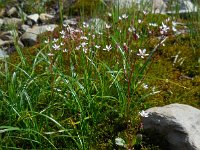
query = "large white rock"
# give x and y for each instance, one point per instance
(179, 123)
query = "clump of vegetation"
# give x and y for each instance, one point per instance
(67, 92)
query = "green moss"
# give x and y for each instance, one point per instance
(178, 81)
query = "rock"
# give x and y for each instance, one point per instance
(25, 27)
(9, 33)
(178, 123)
(186, 6)
(2, 12)
(41, 29)
(7, 41)
(46, 17)
(34, 18)
(158, 6)
(5, 37)
(12, 21)
(29, 22)
(1, 22)
(12, 12)
(4, 43)
(29, 38)
(20, 43)
(3, 54)
(9, 45)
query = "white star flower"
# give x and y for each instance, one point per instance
(65, 50)
(124, 16)
(97, 46)
(62, 32)
(108, 48)
(56, 47)
(46, 41)
(144, 114)
(108, 26)
(145, 86)
(131, 29)
(153, 24)
(109, 14)
(139, 21)
(55, 40)
(50, 54)
(142, 53)
(83, 38)
(164, 28)
(84, 44)
(85, 25)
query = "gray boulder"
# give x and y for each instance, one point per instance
(178, 123)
